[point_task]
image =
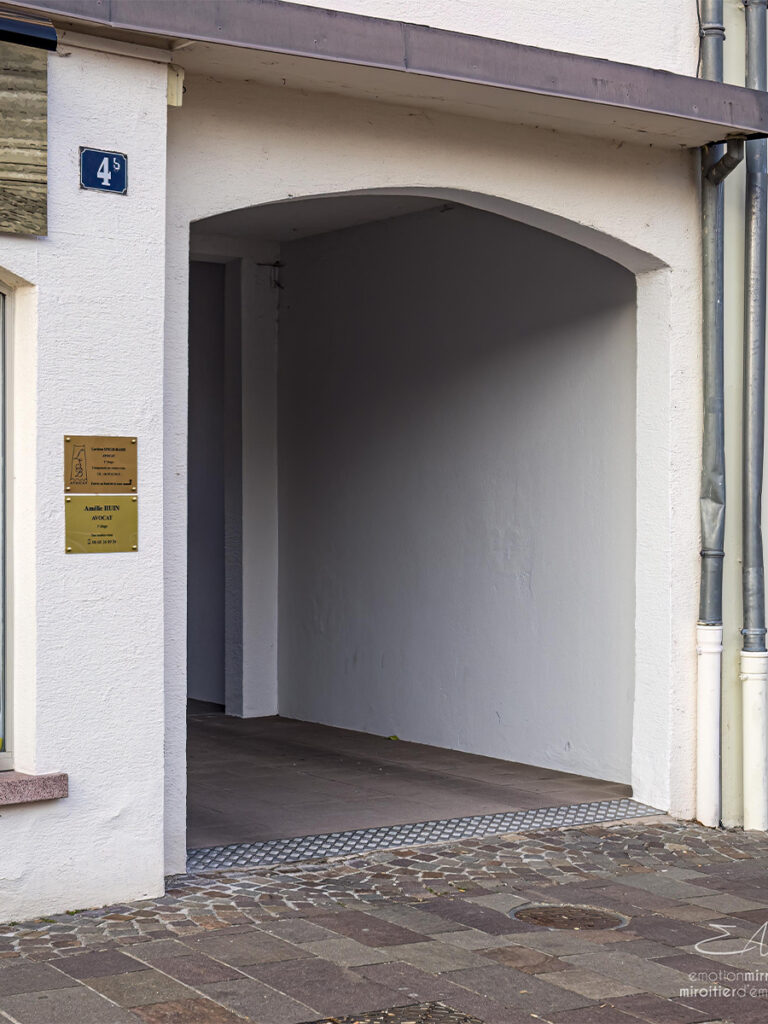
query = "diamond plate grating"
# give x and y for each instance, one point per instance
(423, 1013)
(363, 840)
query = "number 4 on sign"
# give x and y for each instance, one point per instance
(104, 174)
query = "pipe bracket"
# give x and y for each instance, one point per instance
(732, 157)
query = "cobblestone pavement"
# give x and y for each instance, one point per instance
(421, 935)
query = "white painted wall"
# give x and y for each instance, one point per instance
(656, 33)
(233, 145)
(457, 489)
(87, 631)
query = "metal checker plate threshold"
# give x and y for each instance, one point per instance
(386, 837)
(423, 1013)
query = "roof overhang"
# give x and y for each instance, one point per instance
(418, 65)
(25, 30)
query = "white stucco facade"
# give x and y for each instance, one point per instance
(86, 633)
(99, 345)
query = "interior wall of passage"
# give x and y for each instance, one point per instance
(457, 489)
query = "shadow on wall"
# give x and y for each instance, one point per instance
(457, 488)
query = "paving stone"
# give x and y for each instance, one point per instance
(64, 1006)
(298, 930)
(740, 1011)
(330, 988)
(517, 989)
(348, 952)
(160, 949)
(239, 947)
(609, 938)
(559, 943)
(662, 885)
(473, 915)
(645, 975)
(692, 963)
(532, 961)
(139, 988)
(471, 938)
(674, 933)
(259, 1003)
(487, 1009)
(503, 902)
(196, 969)
(414, 918)
(409, 982)
(588, 983)
(186, 1011)
(599, 1014)
(28, 977)
(687, 874)
(648, 948)
(437, 957)
(96, 965)
(369, 930)
(726, 903)
(687, 912)
(662, 1011)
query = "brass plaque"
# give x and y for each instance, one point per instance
(100, 465)
(97, 525)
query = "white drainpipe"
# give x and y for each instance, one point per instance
(709, 646)
(754, 691)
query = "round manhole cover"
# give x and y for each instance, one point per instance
(570, 916)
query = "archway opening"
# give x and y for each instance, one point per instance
(411, 518)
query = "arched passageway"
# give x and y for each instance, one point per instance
(411, 514)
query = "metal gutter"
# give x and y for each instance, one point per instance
(275, 26)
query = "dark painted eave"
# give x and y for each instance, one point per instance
(703, 111)
(27, 30)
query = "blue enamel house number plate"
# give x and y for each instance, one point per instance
(103, 171)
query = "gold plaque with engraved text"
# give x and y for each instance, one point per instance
(100, 524)
(100, 465)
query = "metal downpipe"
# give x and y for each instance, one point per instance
(754, 659)
(709, 633)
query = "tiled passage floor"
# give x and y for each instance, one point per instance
(272, 778)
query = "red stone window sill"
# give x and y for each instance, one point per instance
(17, 788)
